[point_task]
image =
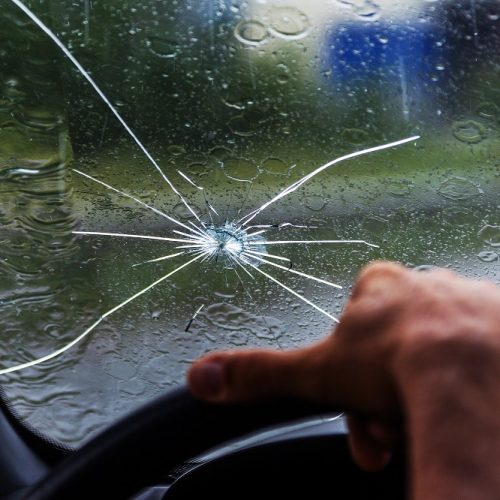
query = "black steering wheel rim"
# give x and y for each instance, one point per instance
(142, 447)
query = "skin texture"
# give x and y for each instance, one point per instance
(414, 361)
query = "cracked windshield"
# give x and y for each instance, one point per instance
(183, 176)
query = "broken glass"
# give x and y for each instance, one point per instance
(178, 177)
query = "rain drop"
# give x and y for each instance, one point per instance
(38, 118)
(220, 153)
(121, 369)
(424, 268)
(355, 136)
(490, 235)
(468, 131)
(314, 202)
(400, 188)
(240, 169)
(250, 32)
(181, 211)
(175, 150)
(487, 256)
(275, 166)
(367, 10)
(243, 125)
(197, 169)
(283, 75)
(487, 110)
(162, 47)
(288, 22)
(458, 188)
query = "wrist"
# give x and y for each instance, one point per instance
(451, 398)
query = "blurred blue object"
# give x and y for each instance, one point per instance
(403, 63)
(368, 50)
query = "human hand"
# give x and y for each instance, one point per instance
(416, 354)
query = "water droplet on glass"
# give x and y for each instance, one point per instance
(314, 202)
(156, 314)
(175, 150)
(283, 78)
(367, 10)
(226, 316)
(288, 22)
(424, 267)
(355, 136)
(238, 96)
(400, 188)
(181, 211)
(38, 118)
(243, 125)
(233, 320)
(468, 131)
(490, 235)
(6, 104)
(250, 32)
(458, 188)
(197, 169)
(487, 110)
(120, 369)
(240, 169)
(12, 89)
(220, 153)
(238, 338)
(283, 73)
(275, 166)
(162, 47)
(487, 256)
(158, 370)
(457, 216)
(133, 387)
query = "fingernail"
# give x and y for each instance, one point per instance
(208, 379)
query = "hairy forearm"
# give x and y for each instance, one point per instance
(453, 418)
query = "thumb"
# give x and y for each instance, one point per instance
(259, 374)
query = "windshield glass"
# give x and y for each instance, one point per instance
(169, 181)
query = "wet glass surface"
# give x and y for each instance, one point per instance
(235, 101)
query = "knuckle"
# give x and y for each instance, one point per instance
(378, 278)
(370, 314)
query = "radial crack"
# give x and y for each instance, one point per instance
(293, 271)
(123, 193)
(138, 236)
(63, 349)
(193, 317)
(269, 255)
(311, 242)
(293, 292)
(101, 94)
(165, 257)
(290, 189)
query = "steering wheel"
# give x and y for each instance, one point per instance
(141, 448)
